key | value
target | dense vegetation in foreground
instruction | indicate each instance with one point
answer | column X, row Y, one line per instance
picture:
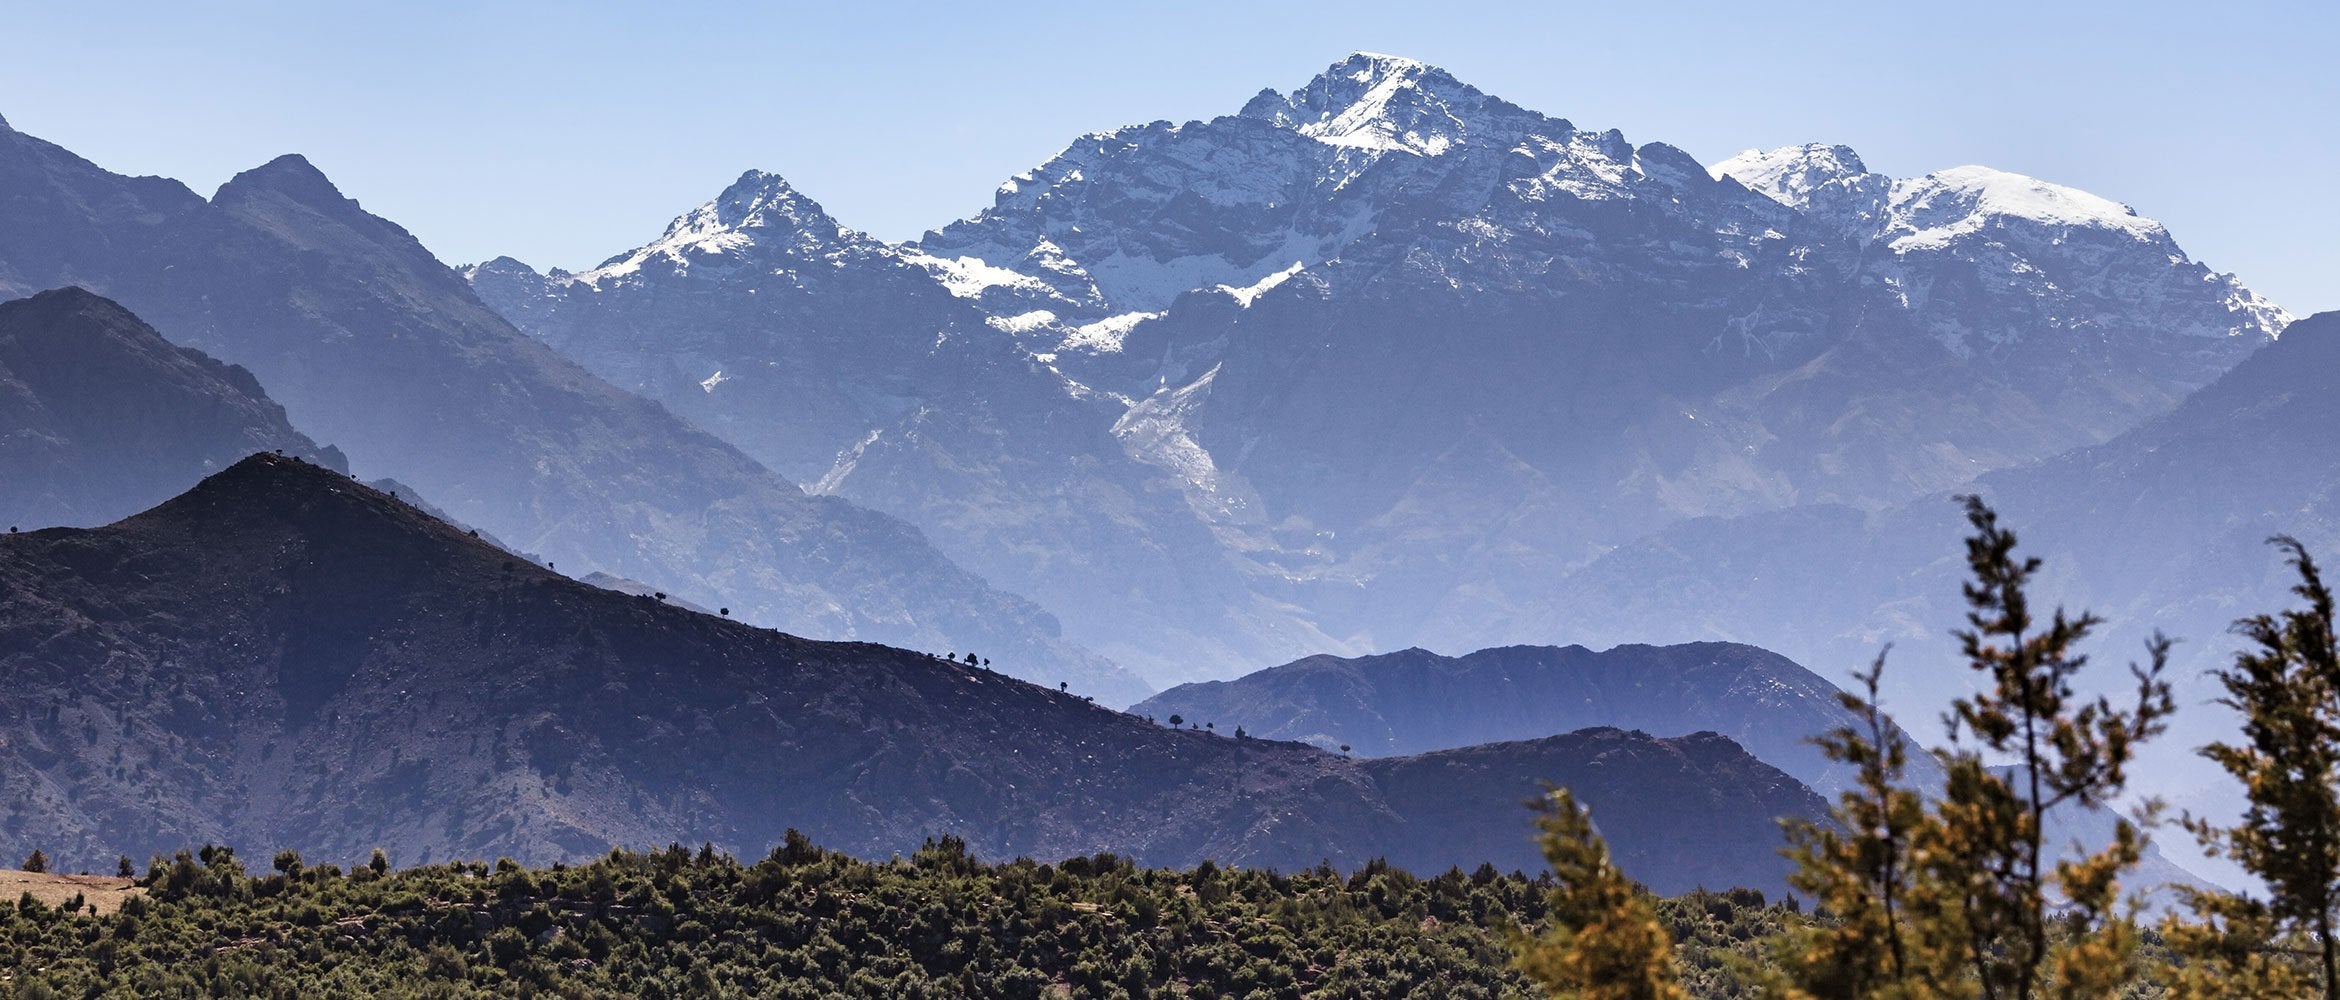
column 805, row 922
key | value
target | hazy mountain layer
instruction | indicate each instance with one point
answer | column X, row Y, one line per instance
column 1416, row 701
column 101, row 418
column 2162, row 528
column 371, row 343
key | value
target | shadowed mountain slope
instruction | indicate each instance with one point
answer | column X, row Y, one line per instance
column 101, row 418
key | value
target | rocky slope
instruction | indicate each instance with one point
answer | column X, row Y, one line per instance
column 371, row 343
column 100, row 417
column 284, row 657
column 836, row 358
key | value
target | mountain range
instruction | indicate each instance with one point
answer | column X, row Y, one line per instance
column 1369, row 363
column 1414, row 701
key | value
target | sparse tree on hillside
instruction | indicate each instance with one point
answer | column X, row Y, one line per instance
column 1861, row 869
column 37, row 862
column 1957, row 897
column 1602, row 940
column 2066, row 752
column 2232, row 949
column 2287, row 688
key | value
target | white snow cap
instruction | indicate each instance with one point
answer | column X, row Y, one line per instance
column 758, row 207
column 1944, row 205
column 1790, row 174
column 1930, row 210
column 1376, row 101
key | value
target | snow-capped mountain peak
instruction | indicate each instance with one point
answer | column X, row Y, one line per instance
column 758, row 198
column 1127, row 220
column 758, row 209
column 2058, row 256
column 1944, row 205
column 1922, row 211
column 1790, row 174
column 1379, row 102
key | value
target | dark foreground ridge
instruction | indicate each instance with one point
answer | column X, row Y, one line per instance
column 285, row 658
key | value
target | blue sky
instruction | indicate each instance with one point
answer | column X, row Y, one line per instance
column 561, row 134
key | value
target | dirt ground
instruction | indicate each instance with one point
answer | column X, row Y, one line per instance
column 104, row 893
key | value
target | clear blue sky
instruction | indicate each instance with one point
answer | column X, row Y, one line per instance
column 561, row 134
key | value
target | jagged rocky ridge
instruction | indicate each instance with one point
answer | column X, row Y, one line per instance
column 374, row 345
column 284, row 657
column 1375, row 360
